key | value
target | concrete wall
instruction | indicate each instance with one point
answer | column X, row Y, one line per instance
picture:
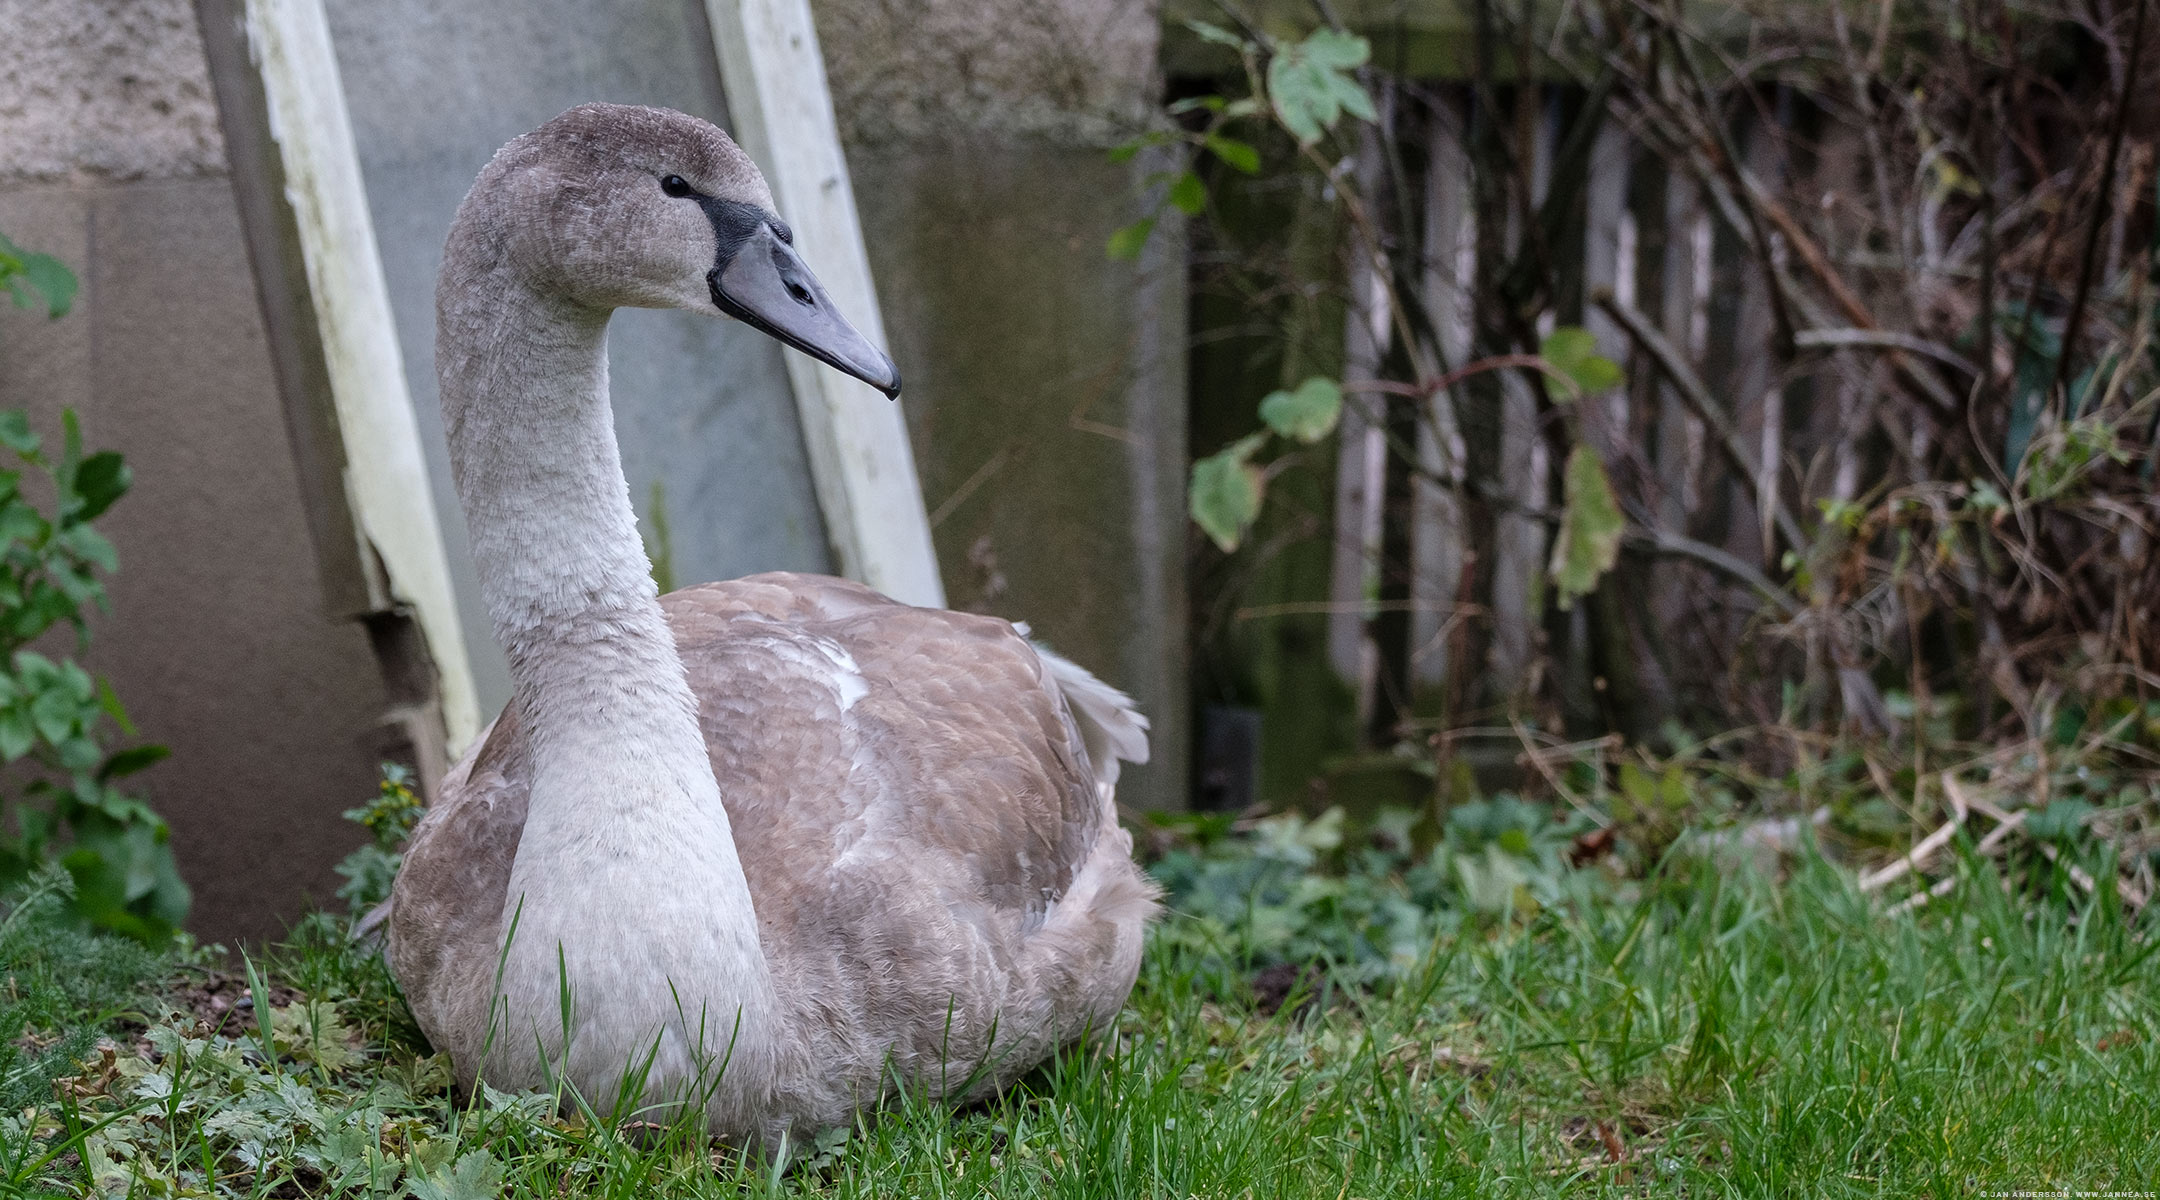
column 110, row 158
column 1046, row 383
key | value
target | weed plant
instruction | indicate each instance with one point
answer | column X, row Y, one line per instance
column 1699, row 1031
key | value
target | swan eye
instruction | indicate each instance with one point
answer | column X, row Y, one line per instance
column 675, row 185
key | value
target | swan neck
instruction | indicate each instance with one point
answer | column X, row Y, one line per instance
column 627, row 861
column 554, row 538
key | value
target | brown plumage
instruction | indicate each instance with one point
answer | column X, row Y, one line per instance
column 785, row 842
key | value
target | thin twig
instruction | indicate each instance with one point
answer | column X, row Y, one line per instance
column 1940, row 889
column 1888, row 340
column 2132, row 896
column 1497, row 362
column 2102, row 203
column 1729, row 154
column 1717, row 559
column 1692, row 389
column 1905, row 864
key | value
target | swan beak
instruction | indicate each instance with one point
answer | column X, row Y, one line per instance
column 766, row 285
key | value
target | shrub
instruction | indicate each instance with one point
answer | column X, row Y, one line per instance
column 54, row 714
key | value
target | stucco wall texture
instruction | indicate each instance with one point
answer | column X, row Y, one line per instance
column 1075, row 72
column 104, row 90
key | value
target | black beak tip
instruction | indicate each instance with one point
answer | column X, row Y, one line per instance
column 893, row 392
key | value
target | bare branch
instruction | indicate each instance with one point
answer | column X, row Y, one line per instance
column 1887, row 340
column 1691, row 389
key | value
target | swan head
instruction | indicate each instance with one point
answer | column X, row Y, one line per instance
column 613, row 206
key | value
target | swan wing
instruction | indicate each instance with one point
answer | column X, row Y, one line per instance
column 922, row 804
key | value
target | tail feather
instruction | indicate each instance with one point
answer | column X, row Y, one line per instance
column 1111, row 727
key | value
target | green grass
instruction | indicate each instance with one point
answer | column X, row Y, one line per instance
column 1728, row 1037
column 58, row 986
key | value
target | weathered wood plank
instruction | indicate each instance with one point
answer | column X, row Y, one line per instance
column 858, row 444
column 385, row 474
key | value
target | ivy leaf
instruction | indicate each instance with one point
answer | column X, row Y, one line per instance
column 1189, row 195
column 1311, row 87
column 1126, row 244
column 1226, row 490
column 1590, row 527
column 1306, row 414
column 2060, row 822
column 1573, row 351
column 1239, row 156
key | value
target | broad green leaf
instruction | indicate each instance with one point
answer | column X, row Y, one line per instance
column 36, row 671
column 79, row 586
column 1239, row 156
column 1310, row 85
column 101, row 479
column 1307, row 413
column 91, row 547
column 17, row 734
column 78, row 753
column 1127, row 243
column 44, row 607
column 1333, row 48
column 19, row 522
column 33, row 278
column 1572, row 350
column 15, row 432
column 125, row 881
column 1588, row 543
column 131, row 760
column 1189, row 195
column 80, row 686
column 56, row 714
column 52, row 280
column 1226, row 491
